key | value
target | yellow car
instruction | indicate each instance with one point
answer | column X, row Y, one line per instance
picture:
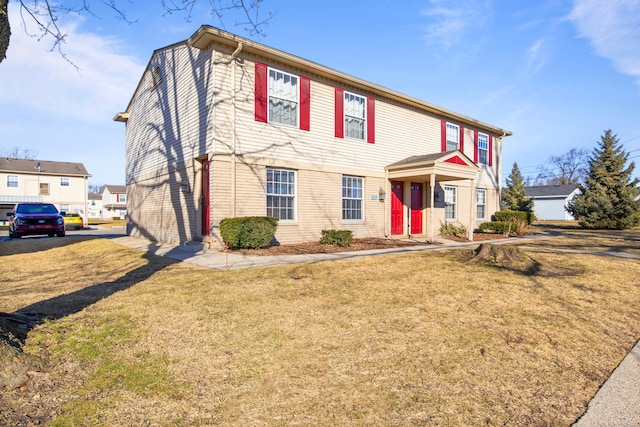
column 73, row 220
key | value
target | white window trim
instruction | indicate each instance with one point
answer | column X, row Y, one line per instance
column 345, row 115
column 452, row 126
column 486, row 149
column 455, row 202
column 295, row 194
column 343, row 198
column 484, row 191
column 65, row 179
column 297, row 100
column 13, row 179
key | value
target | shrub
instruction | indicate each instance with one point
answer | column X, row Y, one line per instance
column 340, row 238
column 515, row 227
column 508, row 215
column 448, row 229
column 495, row 226
column 249, row 232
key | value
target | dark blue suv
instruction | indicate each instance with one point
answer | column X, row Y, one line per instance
column 35, row 218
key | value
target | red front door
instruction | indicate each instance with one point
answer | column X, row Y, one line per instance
column 416, row 208
column 205, row 198
column 396, row 208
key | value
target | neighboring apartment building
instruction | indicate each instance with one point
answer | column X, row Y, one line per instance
column 95, row 205
column 114, row 202
column 64, row 184
column 221, row 126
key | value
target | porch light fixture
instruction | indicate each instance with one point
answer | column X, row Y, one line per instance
column 436, row 196
column 185, row 187
column 382, row 194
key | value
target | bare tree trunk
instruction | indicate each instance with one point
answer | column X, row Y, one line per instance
column 5, row 31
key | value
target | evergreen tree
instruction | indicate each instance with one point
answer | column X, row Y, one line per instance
column 606, row 200
column 513, row 196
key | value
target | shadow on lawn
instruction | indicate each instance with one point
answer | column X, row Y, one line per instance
column 14, row 327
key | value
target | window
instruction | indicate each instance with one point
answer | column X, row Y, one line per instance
column 453, row 137
column 281, row 193
column 12, row 181
column 352, row 197
column 283, row 98
column 121, row 198
column 64, row 182
column 449, row 202
column 483, row 148
column 481, row 204
column 64, row 208
column 354, row 116
column 280, row 97
column 44, row 189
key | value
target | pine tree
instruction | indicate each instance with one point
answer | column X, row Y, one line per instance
column 606, row 200
column 513, row 196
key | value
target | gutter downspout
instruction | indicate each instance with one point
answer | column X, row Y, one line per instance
column 499, row 172
column 234, row 139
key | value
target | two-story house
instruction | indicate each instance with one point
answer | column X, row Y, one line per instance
column 221, row 126
column 114, row 201
column 64, row 184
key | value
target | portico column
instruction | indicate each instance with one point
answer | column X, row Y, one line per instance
column 432, row 186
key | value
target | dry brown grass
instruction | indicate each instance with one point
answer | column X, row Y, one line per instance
column 416, row 339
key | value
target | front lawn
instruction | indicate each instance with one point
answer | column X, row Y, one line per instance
column 425, row 338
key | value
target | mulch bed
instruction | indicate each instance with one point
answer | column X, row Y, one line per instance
column 356, row 245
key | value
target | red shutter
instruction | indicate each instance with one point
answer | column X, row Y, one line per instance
column 490, row 150
column 305, row 103
column 339, row 113
column 475, row 146
column 261, row 93
column 461, row 138
column 371, row 125
column 443, row 136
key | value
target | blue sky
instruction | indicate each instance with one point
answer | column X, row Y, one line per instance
column 555, row 73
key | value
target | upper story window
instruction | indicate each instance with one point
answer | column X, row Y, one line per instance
column 483, row 148
column 64, row 182
column 44, row 189
column 453, row 137
column 121, row 198
column 281, row 194
column 12, row 181
column 352, row 198
column 354, row 116
column 283, row 98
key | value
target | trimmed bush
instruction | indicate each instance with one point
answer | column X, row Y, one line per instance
column 340, row 238
column 249, row 232
column 495, row 226
column 508, row 215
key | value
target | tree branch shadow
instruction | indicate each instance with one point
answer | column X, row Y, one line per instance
column 22, row 321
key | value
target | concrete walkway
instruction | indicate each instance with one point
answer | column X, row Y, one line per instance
column 617, row 403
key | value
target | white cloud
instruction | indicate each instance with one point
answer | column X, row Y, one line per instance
column 44, row 81
column 451, row 20
column 536, row 57
column 613, row 29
